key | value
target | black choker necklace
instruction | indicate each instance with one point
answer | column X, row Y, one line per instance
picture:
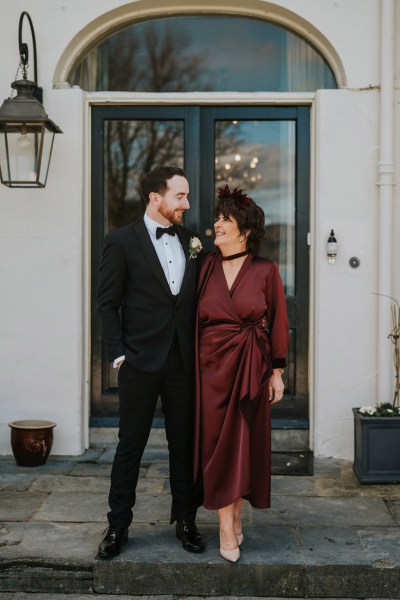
column 232, row 256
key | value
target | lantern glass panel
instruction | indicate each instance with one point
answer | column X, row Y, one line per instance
column 25, row 151
column 48, row 139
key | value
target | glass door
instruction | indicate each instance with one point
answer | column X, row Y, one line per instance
column 264, row 150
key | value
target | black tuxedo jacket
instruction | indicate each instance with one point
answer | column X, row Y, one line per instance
column 138, row 312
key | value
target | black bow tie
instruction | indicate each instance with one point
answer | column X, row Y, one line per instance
column 161, row 230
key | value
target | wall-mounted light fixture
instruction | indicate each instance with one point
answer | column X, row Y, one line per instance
column 331, row 248
column 26, row 132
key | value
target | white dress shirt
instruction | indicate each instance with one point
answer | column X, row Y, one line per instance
column 171, row 256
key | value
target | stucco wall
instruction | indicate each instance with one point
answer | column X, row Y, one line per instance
column 44, row 234
column 345, row 307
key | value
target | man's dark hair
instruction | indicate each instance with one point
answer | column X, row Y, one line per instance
column 157, row 181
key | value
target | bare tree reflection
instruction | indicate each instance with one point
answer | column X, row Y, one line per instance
column 157, row 62
column 156, row 59
column 131, row 149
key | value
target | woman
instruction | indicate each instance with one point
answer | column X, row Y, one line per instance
column 242, row 344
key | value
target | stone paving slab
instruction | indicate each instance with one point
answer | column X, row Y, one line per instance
column 395, row 510
column 107, row 456
column 349, row 486
column 97, row 470
column 157, row 544
column 382, row 546
column 53, row 467
column 151, row 454
column 15, row 483
column 62, row 483
column 90, row 455
column 64, row 541
column 19, row 506
column 351, row 546
column 292, row 486
column 158, row 469
column 91, row 470
column 297, row 510
column 79, row 507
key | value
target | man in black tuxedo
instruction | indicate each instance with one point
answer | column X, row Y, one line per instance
column 146, row 301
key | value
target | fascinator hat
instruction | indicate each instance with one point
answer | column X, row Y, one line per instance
column 241, row 199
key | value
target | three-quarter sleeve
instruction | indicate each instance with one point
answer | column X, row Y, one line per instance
column 277, row 319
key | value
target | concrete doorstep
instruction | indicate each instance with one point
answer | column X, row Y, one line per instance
column 325, row 536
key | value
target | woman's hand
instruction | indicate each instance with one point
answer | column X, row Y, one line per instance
column 276, row 386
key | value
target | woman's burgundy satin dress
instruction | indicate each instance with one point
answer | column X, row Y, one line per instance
column 235, row 359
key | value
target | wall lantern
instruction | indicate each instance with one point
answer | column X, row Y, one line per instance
column 331, row 248
column 26, row 132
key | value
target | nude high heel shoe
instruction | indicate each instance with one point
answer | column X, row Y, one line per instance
column 229, row 555
column 239, row 538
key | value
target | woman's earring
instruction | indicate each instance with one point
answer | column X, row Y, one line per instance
column 240, row 240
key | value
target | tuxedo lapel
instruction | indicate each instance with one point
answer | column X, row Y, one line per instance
column 151, row 254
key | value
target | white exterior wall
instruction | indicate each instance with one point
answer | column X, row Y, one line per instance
column 345, row 308
column 45, row 234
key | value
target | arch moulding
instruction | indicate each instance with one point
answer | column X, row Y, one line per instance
column 112, row 21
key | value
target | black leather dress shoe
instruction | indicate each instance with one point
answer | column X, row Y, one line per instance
column 112, row 542
column 187, row 532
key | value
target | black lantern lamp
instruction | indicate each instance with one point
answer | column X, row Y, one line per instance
column 26, row 132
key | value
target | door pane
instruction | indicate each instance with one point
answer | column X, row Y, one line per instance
column 259, row 157
column 132, row 148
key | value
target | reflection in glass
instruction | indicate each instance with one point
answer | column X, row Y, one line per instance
column 259, row 157
column 132, row 148
column 203, row 53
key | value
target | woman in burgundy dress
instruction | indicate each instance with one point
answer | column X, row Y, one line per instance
column 242, row 344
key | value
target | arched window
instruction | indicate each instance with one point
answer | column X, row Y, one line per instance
column 203, row 54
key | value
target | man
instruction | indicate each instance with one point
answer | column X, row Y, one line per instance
column 146, row 301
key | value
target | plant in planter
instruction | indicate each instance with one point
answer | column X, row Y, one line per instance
column 377, row 428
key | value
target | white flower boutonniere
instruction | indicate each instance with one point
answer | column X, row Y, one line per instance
column 195, row 247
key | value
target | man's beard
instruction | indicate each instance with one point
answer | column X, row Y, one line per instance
column 173, row 216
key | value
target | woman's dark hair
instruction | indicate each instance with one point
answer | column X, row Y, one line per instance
column 157, row 180
column 249, row 216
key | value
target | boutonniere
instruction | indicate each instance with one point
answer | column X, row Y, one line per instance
column 195, row 247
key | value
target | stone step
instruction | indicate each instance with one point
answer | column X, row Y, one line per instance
column 302, row 547
column 270, row 566
column 283, row 440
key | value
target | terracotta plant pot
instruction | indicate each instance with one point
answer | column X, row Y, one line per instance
column 31, row 442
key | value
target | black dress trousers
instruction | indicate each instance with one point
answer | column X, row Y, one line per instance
column 138, row 395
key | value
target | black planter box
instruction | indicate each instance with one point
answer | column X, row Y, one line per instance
column 376, row 448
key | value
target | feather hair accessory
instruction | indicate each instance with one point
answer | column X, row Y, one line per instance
column 241, row 199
